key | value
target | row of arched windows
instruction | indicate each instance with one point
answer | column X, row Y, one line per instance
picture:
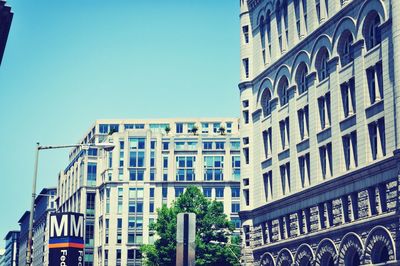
column 372, row 37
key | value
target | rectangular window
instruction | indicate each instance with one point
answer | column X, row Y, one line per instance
column 179, row 146
column 103, row 128
column 246, row 33
column 285, row 178
column 164, row 192
column 348, row 97
column 235, row 192
column 267, row 138
column 304, row 167
column 204, row 128
column 151, row 192
column 350, row 150
column 303, row 122
column 151, row 207
column 236, row 167
column 267, row 178
column 219, row 192
column 135, row 193
column 324, row 106
column 228, row 127
column 213, row 168
column 91, row 174
column 152, row 174
column 235, row 207
column 246, row 195
column 178, row 191
column 137, row 143
column 235, row 145
column 179, row 127
column 165, row 145
column 375, row 83
column 207, row 145
column 325, row 154
column 246, row 155
column 216, row 127
column 246, row 116
column 284, row 129
column 136, row 175
column 246, row 67
column 207, row 192
column 185, row 169
column 219, row 145
column 377, row 139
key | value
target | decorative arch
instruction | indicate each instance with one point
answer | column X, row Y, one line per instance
column 350, row 250
column 367, row 8
column 284, row 258
column 265, row 102
column 301, row 57
column 321, row 63
column 345, row 24
column 322, row 41
column 379, row 246
column 267, row 260
column 265, row 83
column 344, row 47
column 304, row 256
column 326, row 254
column 282, row 71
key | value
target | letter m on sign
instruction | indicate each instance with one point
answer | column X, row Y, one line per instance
column 59, row 225
column 76, row 226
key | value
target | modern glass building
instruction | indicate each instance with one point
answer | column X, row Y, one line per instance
column 152, row 163
column 320, row 131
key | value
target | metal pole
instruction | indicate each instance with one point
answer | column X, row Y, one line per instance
column 30, row 232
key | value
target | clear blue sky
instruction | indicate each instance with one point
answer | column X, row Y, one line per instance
column 68, row 63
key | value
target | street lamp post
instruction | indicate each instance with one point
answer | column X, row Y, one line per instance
column 105, row 146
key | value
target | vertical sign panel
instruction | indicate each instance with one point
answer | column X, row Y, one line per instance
column 66, row 241
column 185, row 239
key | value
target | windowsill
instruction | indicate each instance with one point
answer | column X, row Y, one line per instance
column 324, row 130
column 283, row 151
column 302, row 95
column 347, row 66
column 372, row 50
column 266, row 117
column 377, row 102
column 283, row 107
column 305, row 139
column 347, row 118
column 267, row 159
column 322, row 82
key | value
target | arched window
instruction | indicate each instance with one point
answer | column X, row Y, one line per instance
column 301, row 78
column 262, row 31
column 321, row 64
column 283, row 91
column 345, row 48
column 372, row 34
column 268, row 29
column 266, row 102
column 262, row 35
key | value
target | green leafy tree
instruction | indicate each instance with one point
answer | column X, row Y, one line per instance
column 211, row 225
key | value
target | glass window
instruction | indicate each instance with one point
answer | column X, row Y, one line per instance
column 207, row 145
column 207, row 192
column 235, row 207
column 179, row 127
column 151, row 192
column 235, row 192
column 164, row 192
column 219, row 192
column 103, row 128
column 204, row 128
column 219, row 145
column 235, row 145
column 178, row 191
column 165, row 145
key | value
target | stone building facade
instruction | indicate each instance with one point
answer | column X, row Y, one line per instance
column 151, row 164
column 320, row 131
